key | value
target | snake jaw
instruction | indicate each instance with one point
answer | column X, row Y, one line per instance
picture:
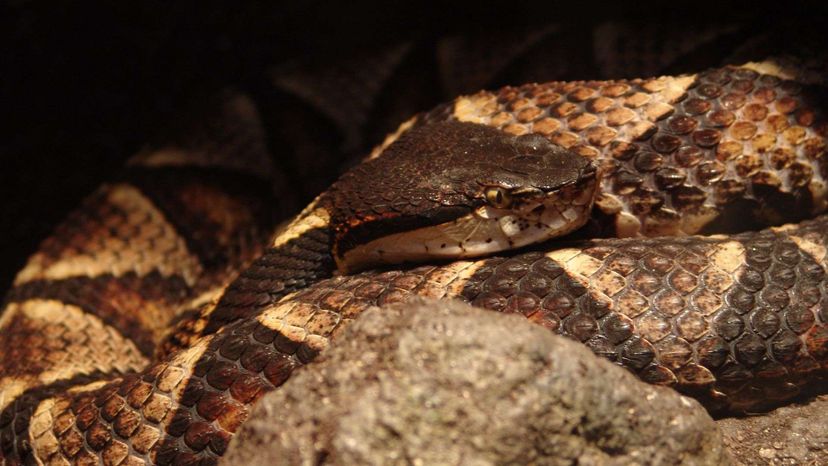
column 485, row 230
column 557, row 214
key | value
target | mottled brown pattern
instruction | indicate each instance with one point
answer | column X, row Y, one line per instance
column 699, row 314
column 51, row 338
column 281, row 270
column 115, row 231
column 138, row 307
column 406, row 188
column 97, row 298
column 680, row 154
column 119, row 258
column 223, row 217
column 118, row 270
column 53, row 346
column 739, row 322
column 187, row 327
column 172, row 412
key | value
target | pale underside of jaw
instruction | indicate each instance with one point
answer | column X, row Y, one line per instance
column 484, row 231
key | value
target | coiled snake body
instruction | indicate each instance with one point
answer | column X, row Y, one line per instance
column 89, row 373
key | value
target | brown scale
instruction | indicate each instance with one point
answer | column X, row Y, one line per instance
column 138, row 307
column 95, row 300
column 697, row 314
column 683, row 154
column 740, row 323
column 410, row 192
column 406, row 188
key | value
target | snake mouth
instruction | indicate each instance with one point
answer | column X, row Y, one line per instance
column 484, row 230
column 539, row 218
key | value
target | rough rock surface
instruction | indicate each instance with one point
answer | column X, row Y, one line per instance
column 444, row 383
column 796, row 434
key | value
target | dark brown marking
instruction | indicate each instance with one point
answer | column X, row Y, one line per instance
column 224, row 217
column 117, row 301
column 399, row 192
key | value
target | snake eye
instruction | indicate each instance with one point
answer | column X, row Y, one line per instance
column 498, row 197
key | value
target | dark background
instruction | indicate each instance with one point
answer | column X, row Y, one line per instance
column 85, row 85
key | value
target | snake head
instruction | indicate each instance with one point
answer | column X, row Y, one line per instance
column 453, row 190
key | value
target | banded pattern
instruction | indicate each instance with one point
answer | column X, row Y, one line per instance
column 736, row 321
column 680, row 155
column 298, row 257
column 99, row 295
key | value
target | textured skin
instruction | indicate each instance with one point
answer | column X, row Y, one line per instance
column 699, row 314
column 680, row 154
column 407, row 188
column 737, row 321
column 97, row 298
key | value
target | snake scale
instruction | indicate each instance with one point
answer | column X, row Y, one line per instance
column 92, row 374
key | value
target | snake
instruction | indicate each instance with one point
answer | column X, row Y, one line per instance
column 146, row 327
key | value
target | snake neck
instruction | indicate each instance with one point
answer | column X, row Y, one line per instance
column 299, row 256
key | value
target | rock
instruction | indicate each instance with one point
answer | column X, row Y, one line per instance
column 444, row 383
column 796, row 434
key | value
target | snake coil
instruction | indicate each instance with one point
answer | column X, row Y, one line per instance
column 91, row 372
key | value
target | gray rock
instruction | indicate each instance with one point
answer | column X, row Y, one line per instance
column 444, row 383
column 796, row 434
